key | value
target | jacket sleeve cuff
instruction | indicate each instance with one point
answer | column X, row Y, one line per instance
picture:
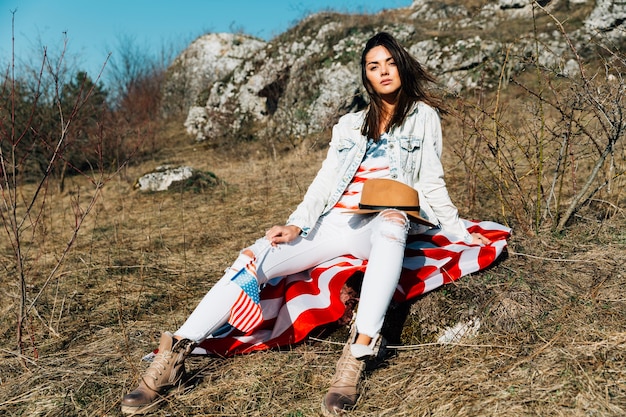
column 461, row 233
column 304, row 230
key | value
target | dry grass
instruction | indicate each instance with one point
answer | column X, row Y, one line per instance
column 552, row 336
column 551, row 340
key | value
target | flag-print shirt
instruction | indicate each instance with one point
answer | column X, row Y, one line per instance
column 375, row 165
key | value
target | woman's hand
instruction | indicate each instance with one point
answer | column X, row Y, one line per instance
column 479, row 239
column 282, row 234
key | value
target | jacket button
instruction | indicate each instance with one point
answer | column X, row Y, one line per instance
column 394, row 176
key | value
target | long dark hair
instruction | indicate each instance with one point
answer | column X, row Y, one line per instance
column 413, row 78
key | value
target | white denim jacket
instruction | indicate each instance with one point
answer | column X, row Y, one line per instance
column 414, row 151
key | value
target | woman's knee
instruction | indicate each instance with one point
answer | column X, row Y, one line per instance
column 392, row 224
column 253, row 251
column 245, row 257
column 395, row 216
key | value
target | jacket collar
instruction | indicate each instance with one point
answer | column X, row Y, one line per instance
column 360, row 115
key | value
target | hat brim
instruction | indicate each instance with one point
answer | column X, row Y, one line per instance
column 414, row 215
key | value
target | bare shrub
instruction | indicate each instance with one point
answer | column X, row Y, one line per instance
column 559, row 147
column 28, row 139
column 135, row 84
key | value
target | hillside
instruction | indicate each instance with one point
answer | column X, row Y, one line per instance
column 534, row 140
column 304, row 78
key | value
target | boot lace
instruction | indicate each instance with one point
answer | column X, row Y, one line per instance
column 348, row 372
column 159, row 364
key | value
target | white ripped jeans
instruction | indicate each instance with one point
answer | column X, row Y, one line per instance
column 380, row 239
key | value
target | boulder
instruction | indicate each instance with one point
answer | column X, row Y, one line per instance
column 163, row 177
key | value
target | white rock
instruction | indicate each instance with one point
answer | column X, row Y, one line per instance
column 608, row 15
column 454, row 334
column 163, row 177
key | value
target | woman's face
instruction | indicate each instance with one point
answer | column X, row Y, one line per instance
column 382, row 73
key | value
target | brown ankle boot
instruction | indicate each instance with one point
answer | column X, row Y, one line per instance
column 343, row 392
column 344, row 387
column 165, row 372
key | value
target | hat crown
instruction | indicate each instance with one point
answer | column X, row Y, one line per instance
column 389, row 193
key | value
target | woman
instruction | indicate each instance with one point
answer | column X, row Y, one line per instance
column 398, row 137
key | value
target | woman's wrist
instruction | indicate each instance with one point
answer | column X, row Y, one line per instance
column 296, row 229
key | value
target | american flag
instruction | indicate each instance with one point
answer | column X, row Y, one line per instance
column 246, row 313
column 295, row 305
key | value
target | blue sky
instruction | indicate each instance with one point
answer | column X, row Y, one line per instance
column 96, row 27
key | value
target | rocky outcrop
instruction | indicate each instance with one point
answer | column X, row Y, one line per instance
column 207, row 60
column 609, row 16
column 301, row 81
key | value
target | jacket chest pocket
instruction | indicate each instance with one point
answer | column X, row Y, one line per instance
column 410, row 151
column 344, row 148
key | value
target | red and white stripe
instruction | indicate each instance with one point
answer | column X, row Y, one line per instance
column 245, row 314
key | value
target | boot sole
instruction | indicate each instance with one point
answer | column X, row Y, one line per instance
column 328, row 413
column 148, row 408
column 137, row 411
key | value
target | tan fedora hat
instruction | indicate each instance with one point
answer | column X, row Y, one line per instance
column 380, row 194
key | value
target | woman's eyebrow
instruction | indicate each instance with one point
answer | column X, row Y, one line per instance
column 389, row 58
